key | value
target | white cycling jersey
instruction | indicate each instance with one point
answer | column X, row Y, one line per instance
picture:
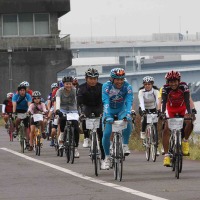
column 148, row 99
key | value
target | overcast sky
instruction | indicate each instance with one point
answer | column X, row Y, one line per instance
column 130, row 17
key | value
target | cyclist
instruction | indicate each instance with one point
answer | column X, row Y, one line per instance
column 7, row 108
column 36, row 107
column 117, row 97
column 89, row 98
column 148, row 99
column 28, row 90
column 176, row 100
column 75, row 82
column 21, row 101
column 54, row 87
column 66, row 102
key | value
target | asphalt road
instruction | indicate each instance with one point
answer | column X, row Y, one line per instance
column 48, row 177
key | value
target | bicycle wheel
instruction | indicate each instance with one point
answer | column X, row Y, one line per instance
column 39, row 144
column 94, row 153
column 177, row 157
column 72, row 145
column 120, row 159
column 115, row 157
column 21, row 139
column 147, row 143
column 154, row 139
column 67, row 145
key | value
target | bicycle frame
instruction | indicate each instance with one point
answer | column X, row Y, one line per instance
column 117, row 148
column 92, row 124
column 175, row 145
column 151, row 139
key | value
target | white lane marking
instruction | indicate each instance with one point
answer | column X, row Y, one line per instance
column 67, row 171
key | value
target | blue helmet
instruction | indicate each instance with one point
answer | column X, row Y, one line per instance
column 117, row 73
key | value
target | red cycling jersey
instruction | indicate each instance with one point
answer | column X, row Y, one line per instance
column 175, row 100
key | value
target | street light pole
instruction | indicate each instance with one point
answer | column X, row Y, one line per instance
column 10, row 70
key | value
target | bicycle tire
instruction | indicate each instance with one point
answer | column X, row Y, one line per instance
column 21, row 138
column 147, row 141
column 39, row 145
column 115, row 157
column 153, row 142
column 67, row 144
column 120, row 159
column 177, row 156
column 94, row 153
column 72, row 145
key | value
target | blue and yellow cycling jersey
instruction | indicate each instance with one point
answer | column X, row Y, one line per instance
column 117, row 98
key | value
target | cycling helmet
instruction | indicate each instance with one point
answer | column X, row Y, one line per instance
column 36, row 94
column 21, row 86
column 117, row 73
column 67, row 79
column 54, row 85
column 148, row 79
column 75, row 80
column 25, row 83
column 173, row 75
column 10, row 95
column 92, row 73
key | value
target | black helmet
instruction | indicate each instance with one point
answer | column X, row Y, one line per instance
column 67, row 79
column 21, row 86
column 92, row 73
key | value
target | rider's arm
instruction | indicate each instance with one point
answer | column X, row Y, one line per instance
column 30, row 108
column 160, row 99
column 3, row 108
column 57, row 100
column 157, row 94
column 141, row 99
column 192, row 106
column 129, row 99
column 14, row 102
column 14, row 106
column 106, row 99
column 80, row 97
column 187, row 101
column 164, row 101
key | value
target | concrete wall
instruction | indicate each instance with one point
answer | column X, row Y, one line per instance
column 20, row 6
column 39, row 68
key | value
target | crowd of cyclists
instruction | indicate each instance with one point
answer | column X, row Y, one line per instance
column 113, row 98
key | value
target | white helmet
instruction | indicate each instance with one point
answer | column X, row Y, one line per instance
column 54, row 85
column 10, row 95
column 36, row 94
column 148, row 79
column 25, row 83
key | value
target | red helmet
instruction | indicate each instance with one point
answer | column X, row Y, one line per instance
column 173, row 75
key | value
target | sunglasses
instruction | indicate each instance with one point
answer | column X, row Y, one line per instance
column 37, row 98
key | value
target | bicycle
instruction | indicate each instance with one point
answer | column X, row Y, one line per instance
column 37, row 135
column 117, row 155
column 11, row 127
column 69, row 140
column 21, row 133
column 151, row 140
column 175, row 143
column 92, row 124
